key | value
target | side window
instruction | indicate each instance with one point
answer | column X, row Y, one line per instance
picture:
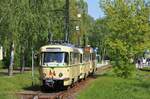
column 71, row 58
column 42, row 58
column 66, row 58
column 76, row 58
column 86, row 57
column 90, row 57
column 93, row 56
column 81, row 58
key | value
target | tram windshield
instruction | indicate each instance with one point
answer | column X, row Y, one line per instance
column 55, row 57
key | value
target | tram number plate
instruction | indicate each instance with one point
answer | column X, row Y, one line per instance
column 50, row 81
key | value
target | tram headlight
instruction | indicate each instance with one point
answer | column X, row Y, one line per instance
column 60, row 74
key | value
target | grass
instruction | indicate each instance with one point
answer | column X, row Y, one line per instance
column 108, row 86
column 105, row 86
column 10, row 85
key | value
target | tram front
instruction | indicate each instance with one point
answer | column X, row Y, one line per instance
column 54, row 70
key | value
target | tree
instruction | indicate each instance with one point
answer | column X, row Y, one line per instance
column 98, row 36
column 129, row 31
column 25, row 24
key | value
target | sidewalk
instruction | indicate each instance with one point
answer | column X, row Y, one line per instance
column 101, row 65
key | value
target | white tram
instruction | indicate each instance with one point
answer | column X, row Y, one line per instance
column 62, row 65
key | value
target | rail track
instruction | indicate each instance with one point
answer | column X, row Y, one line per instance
column 64, row 94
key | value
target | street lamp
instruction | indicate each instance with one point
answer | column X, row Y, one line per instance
column 79, row 15
column 77, row 28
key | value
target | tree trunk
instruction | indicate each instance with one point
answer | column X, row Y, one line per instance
column 23, row 63
column 10, row 69
column 103, row 54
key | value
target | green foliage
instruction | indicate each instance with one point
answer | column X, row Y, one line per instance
column 98, row 35
column 124, row 32
column 85, row 22
column 123, row 70
column 28, row 22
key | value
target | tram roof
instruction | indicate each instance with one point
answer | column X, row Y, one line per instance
column 80, row 50
column 60, row 48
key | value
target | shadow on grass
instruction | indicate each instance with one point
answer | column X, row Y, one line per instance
column 25, row 69
column 5, row 73
column 98, row 75
column 33, row 88
column 145, row 69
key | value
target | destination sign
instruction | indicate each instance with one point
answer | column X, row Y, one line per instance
column 53, row 49
column 87, row 49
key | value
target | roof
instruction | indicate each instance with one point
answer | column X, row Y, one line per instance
column 60, row 48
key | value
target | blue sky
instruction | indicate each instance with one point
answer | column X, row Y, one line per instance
column 94, row 9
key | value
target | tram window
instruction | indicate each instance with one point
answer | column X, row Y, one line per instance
column 90, row 56
column 42, row 58
column 66, row 58
column 57, row 57
column 86, row 57
column 71, row 58
column 40, row 62
column 81, row 58
column 74, row 58
column 93, row 56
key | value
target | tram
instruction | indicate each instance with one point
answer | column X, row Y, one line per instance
column 63, row 65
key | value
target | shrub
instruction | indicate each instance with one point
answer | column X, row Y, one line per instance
column 123, row 69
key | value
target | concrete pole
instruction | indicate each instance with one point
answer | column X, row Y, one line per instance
column 32, row 67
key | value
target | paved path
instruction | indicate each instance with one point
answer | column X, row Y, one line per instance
column 100, row 65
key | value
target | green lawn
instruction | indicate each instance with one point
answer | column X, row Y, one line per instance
column 10, row 85
column 108, row 86
column 105, row 86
